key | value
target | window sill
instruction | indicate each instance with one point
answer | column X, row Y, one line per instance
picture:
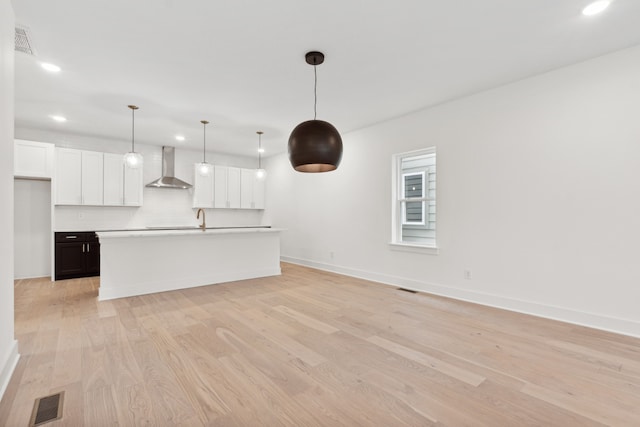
column 419, row 249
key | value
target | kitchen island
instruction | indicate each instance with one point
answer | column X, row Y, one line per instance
column 139, row 262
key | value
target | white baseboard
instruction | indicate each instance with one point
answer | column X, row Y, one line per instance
column 43, row 276
column 10, row 363
column 592, row 320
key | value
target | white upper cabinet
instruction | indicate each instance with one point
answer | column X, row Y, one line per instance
column 79, row 177
column 96, row 179
column 203, row 187
column 33, row 159
column 233, row 187
column 220, row 187
column 251, row 190
column 237, row 188
column 246, row 188
column 68, row 181
column 113, row 180
column 92, row 178
column 133, row 186
column 258, row 192
column 226, row 192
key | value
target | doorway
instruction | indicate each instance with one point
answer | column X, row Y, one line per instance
column 32, row 228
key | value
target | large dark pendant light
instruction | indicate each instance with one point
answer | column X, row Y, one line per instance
column 315, row 145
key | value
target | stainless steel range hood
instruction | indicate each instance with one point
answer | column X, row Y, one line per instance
column 168, row 179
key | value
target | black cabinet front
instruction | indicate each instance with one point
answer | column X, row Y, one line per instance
column 93, row 258
column 77, row 255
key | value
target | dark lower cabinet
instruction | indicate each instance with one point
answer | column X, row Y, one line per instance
column 77, row 255
column 93, row 258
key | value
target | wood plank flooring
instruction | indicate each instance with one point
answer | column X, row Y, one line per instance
column 310, row 348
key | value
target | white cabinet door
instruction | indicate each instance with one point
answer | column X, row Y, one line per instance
column 251, row 190
column 246, row 188
column 92, row 178
column 258, row 192
column 220, row 187
column 133, row 186
column 233, row 187
column 68, row 183
column 202, row 188
column 33, row 159
column 113, row 180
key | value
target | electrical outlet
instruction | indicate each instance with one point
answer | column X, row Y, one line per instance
column 467, row 274
column 80, row 215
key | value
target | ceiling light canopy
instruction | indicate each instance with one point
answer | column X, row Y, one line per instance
column 315, row 145
column 132, row 159
column 180, row 138
column 50, row 67
column 596, row 7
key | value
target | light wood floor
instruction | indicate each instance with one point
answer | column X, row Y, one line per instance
column 310, row 348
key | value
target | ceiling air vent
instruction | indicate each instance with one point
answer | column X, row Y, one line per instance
column 24, row 42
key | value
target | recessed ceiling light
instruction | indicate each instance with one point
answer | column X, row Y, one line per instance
column 260, row 150
column 50, row 67
column 596, row 7
column 59, row 119
column 180, row 138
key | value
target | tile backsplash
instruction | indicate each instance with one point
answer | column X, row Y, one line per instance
column 162, row 207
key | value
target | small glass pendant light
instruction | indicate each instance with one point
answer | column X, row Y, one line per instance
column 204, row 168
column 132, row 159
column 261, row 174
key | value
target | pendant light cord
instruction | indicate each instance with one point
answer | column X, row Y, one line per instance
column 260, row 150
column 259, row 153
column 133, row 128
column 315, row 91
column 204, row 140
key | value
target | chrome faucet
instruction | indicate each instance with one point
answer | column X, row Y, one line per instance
column 204, row 221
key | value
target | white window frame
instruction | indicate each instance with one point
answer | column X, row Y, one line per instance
column 404, row 201
column 397, row 200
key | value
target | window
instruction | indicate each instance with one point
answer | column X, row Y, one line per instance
column 413, row 189
column 414, row 199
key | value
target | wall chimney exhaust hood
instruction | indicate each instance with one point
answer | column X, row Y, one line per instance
column 168, row 179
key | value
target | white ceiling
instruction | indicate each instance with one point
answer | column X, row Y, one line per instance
column 240, row 63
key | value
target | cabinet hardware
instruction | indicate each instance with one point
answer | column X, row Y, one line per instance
column 83, row 248
column 88, row 247
column 71, row 237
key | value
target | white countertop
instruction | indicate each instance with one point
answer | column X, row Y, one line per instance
column 183, row 232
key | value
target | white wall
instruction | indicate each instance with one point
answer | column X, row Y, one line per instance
column 32, row 228
column 538, row 195
column 161, row 207
column 8, row 345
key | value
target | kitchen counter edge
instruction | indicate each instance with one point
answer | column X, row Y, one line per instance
column 183, row 232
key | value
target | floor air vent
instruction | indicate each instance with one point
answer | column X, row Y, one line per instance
column 47, row 409
column 411, row 291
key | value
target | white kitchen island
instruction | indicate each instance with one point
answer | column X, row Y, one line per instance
column 147, row 261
